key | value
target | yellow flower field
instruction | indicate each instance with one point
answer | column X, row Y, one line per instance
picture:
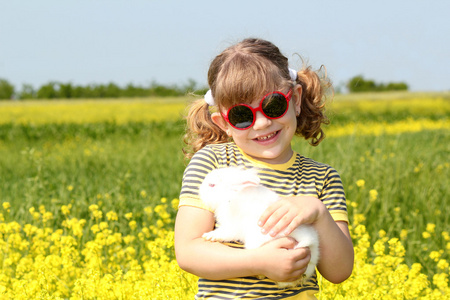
column 91, row 111
column 75, row 261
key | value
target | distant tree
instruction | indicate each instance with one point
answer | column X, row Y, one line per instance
column 397, row 86
column 78, row 92
column 48, row 91
column 157, row 89
column 27, row 92
column 112, row 90
column 135, row 91
column 65, row 90
column 359, row 84
column 6, row 89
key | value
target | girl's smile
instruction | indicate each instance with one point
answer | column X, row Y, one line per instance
column 267, row 139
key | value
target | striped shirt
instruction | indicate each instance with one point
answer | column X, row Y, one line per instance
column 299, row 176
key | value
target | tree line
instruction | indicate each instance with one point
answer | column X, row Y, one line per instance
column 59, row 90
column 359, row 84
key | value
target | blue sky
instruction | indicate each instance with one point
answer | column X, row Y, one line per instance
column 170, row 42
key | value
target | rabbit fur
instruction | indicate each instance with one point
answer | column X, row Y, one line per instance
column 238, row 201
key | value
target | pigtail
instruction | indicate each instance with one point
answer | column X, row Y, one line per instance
column 315, row 88
column 201, row 130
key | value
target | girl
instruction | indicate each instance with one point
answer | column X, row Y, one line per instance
column 260, row 105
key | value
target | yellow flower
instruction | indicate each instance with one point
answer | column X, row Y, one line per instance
column 132, row 225
column 431, row 227
column 360, row 183
column 441, row 281
column 446, row 235
column 426, row 235
column 379, row 247
column 98, row 214
column 442, row 264
column 70, row 188
column 47, row 216
column 36, row 216
column 403, row 234
column 103, row 225
column 65, row 209
column 175, row 203
column 95, row 228
column 112, row 216
column 6, row 205
column 159, row 223
column 435, row 255
column 373, row 195
column 128, row 216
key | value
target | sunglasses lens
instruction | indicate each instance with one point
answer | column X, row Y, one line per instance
column 240, row 116
column 274, row 105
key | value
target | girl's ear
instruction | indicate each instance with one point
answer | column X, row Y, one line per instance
column 220, row 121
column 297, row 95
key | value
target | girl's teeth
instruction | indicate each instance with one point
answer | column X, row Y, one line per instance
column 266, row 137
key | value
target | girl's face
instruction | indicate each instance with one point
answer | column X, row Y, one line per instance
column 268, row 140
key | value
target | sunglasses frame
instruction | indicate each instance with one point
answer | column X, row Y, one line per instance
column 287, row 97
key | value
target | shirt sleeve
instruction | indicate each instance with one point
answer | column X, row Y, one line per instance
column 333, row 196
column 203, row 162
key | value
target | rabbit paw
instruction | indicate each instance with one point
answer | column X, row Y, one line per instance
column 299, row 282
column 212, row 236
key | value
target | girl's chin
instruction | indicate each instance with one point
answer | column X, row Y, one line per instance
column 275, row 157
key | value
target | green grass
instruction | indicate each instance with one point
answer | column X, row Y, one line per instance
column 111, row 164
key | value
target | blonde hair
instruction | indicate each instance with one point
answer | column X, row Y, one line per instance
column 244, row 72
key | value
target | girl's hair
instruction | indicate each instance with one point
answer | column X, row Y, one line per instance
column 244, row 72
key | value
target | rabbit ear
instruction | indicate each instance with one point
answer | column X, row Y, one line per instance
column 252, row 176
column 248, row 184
column 247, row 178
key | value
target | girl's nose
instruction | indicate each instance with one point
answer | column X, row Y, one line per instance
column 261, row 121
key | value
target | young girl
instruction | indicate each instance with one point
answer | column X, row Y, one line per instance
column 260, row 105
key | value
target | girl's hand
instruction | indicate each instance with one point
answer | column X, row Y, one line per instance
column 278, row 261
column 288, row 213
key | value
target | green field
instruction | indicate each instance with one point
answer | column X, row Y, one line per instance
column 397, row 179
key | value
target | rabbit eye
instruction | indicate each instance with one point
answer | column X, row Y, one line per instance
column 212, row 185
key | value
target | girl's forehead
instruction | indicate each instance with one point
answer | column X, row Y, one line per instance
column 245, row 79
column 248, row 96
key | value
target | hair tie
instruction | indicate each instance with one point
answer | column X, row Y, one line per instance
column 293, row 74
column 209, row 98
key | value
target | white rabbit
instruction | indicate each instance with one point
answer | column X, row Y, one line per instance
column 238, row 200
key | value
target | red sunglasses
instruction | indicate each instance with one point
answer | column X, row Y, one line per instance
column 274, row 105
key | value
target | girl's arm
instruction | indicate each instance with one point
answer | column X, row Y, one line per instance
column 216, row 261
column 336, row 248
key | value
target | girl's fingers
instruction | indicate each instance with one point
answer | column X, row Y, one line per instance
column 284, row 225
column 267, row 213
column 294, row 223
column 271, row 224
column 284, row 243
